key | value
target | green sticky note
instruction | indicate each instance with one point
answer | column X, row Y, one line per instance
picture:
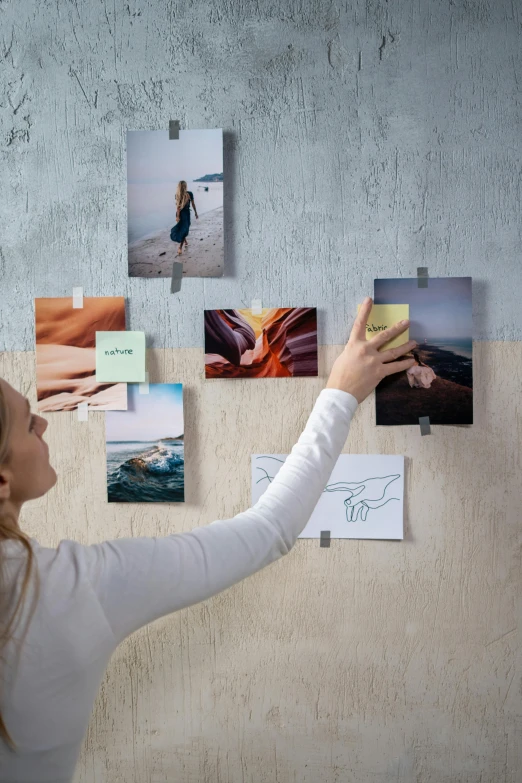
column 120, row 357
column 382, row 317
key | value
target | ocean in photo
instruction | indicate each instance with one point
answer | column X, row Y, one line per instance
column 461, row 347
column 150, row 472
column 451, row 359
column 152, row 208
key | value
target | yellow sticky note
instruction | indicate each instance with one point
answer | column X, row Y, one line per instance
column 382, row 317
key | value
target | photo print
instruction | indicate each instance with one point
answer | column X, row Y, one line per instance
column 440, row 384
column 175, row 203
column 280, row 342
column 364, row 497
column 145, row 447
column 66, row 353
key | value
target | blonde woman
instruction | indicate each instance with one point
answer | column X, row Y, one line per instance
column 65, row 610
column 184, row 198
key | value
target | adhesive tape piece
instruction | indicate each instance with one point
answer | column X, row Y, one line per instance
column 143, row 388
column 83, row 411
column 173, row 129
column 177, row 276
column 77, row 298
column 256, row 307
column 422, row 277
column 424, row 422
column 325, row 538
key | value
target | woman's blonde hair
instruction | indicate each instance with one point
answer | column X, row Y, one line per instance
column 182, row 196
column 9, row 530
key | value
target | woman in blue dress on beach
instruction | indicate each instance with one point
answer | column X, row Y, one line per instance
column 184, row 198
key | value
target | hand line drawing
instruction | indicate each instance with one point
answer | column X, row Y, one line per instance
column 266, row 476
column 352, row 512
column 373, row 492
column 360, row 496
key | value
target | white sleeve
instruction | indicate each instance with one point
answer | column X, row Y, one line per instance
column 138, row 580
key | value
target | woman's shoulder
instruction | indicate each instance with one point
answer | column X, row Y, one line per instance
column 190, row 193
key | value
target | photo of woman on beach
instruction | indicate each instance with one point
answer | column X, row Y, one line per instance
column 184, row 198
column 440, row 383
column 166, row 178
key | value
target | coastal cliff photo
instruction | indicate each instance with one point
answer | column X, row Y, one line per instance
column 175, row 203
column 145, row 447
column 440, row 384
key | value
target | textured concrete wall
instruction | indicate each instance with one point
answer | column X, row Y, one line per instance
column 369, row 662
column 363, row 138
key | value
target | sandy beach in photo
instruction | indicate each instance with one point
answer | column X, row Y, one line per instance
column 153, row 256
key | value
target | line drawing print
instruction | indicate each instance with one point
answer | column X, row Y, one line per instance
column 363, row 496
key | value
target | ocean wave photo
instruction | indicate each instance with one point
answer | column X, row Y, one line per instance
column 146, row 472
column 145, row 447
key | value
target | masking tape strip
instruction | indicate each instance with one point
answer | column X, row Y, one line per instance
column 83, row 411
column 177, row 277
column 325, row 538
column 422, row 277
column 143, row 388
column 256, row 307
column 424, row 422
column 173, row 129
column 78, row 298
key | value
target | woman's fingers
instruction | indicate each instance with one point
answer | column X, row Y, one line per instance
column 359, row 327
column 388, row 334
column 393, row 367
column 393, row 353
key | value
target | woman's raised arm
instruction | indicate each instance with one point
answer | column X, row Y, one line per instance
column 137, row 580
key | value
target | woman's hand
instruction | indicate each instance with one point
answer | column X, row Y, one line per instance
column 361, row 366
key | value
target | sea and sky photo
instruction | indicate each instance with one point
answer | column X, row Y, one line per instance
column 145, row 447
column 440, row 384
column 175, row 203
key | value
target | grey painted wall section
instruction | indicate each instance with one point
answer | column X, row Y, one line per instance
column 362, row 139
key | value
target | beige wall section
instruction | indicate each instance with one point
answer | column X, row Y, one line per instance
column 372, row 662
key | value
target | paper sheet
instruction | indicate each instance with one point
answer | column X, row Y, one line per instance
column 382, row 317
column 440, row 384
column 66, row 353
column 364, row 497
column 120, row 356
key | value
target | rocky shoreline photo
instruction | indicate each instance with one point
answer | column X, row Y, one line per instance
column 449, row 396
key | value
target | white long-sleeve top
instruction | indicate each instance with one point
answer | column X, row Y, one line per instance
column 92, row 597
